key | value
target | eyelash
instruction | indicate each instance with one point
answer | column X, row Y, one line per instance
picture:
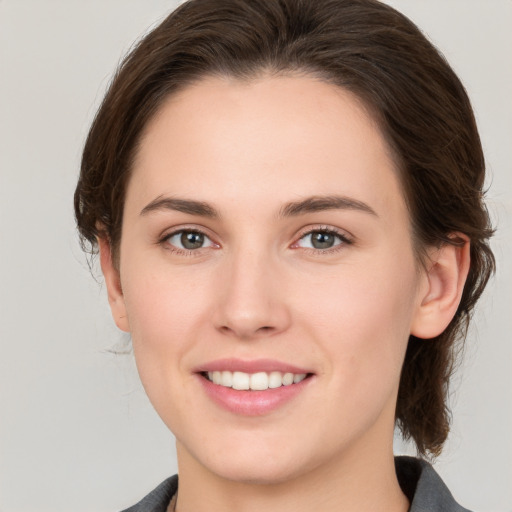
column 344, row 241
column 342, row 236
column 164, row 241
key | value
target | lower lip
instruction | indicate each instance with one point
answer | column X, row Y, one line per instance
column 252, row 403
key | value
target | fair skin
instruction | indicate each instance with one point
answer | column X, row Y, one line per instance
column 269, row 278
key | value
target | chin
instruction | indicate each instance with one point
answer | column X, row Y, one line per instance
column 271, row 473
column 261, row 465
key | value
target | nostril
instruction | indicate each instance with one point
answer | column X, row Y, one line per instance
column 260, row 330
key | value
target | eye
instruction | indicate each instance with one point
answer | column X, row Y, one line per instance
column 188, row 240
column 322, row 239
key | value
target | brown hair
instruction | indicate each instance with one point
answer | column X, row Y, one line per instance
column 363, row 46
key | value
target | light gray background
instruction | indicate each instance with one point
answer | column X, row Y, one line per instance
column 76, row 431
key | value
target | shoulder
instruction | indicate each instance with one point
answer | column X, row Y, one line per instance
column 424, row 487
column 158, row 499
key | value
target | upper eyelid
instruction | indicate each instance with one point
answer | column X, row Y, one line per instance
column 164, row 239
column 167, row 233
column 327, row 229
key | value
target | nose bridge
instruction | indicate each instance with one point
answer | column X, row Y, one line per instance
column 250, row 300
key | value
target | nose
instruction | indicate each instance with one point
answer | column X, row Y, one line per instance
column 251, row 302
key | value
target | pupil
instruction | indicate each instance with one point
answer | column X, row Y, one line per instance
column 191, row 240
column 322, row 240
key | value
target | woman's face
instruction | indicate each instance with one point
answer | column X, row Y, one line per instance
column 264, row 234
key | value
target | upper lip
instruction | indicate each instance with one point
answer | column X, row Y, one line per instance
column 252, row 366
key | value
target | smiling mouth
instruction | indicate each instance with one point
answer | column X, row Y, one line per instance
column 259, row 381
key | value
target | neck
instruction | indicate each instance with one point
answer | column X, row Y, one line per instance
column 365, row 480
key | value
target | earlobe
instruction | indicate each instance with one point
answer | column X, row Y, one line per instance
column 445, row 276
column 113, row 283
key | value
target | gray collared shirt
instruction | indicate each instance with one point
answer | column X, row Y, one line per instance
column 420, row 483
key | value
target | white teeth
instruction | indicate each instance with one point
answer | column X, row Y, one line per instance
column 227, row 379
column 275, row 380
column 240, row 380
column 256, row 381
column 259, row 381
column 287, row 379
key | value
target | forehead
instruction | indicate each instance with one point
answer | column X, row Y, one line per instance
column 279, row 138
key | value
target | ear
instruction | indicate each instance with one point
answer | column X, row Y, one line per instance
column 444, row 279
column 113, row 283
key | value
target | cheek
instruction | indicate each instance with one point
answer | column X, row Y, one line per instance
column 361, row 318
column 164, row 311
column 166, row 314
column 161, row 302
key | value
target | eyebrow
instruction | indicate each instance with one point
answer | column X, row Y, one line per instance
column 321, row 203
column 308, row 205
column 192, row 207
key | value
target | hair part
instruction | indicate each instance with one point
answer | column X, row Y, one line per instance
column 362, row 46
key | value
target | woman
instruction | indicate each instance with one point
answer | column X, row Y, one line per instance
column 287, row 201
